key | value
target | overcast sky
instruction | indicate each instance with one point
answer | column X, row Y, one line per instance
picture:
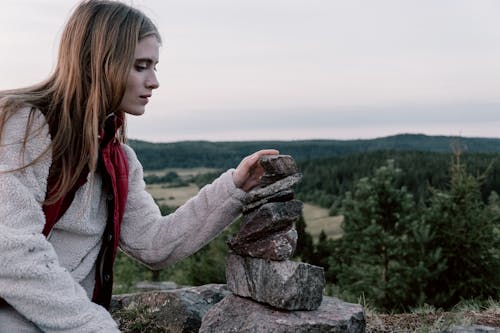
column 295, row 69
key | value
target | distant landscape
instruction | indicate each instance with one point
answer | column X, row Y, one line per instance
column 189, row 154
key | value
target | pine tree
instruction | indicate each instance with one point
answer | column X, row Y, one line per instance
column 383, row 252
column 324, row 250
column 468, row 231
column 305, row 248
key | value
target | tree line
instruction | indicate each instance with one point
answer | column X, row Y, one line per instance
column 326, row 181
column 190, row 154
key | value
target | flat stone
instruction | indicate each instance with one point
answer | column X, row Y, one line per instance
column 260, row 193
column 237, row 314
column 285, row 285
column 282, row 196
column 269, row 219
column 278, row 246
column 268, row 179
column 179, row 310
column 279, row 164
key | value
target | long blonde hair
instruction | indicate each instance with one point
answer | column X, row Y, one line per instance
column 96, row 53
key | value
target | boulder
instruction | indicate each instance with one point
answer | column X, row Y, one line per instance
column 283, row 284
column 237, row 314
column 179, row 310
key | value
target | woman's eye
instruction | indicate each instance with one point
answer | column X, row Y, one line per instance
column 140, row 68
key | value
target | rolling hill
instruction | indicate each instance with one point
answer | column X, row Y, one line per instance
column 228, row 154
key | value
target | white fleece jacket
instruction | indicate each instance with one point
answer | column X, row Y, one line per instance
column 48, row 282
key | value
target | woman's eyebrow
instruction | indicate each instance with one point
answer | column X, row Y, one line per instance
column 148, row 61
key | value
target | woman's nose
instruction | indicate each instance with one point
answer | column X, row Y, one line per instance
column 152, row 82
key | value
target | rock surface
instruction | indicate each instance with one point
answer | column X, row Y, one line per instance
column 282, row 196
column 281, row 185
column 156, row 285
column 179, row 310
column 278, row 246
column 237, row 314
column 472, row 329
column 283, row 284
column 267, row 220
column 277, row 167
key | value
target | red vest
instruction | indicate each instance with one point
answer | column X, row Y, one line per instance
column 113, row 167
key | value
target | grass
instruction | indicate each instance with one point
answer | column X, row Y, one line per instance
column 184, row 173
column 318, row 219
column 425, row 318
column 171, row 196
column 138, row 318
column 428, row 319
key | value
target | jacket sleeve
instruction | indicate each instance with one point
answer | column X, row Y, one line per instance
column 157, row 240
column 31, row 279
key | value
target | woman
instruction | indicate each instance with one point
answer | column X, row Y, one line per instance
column 71, row 191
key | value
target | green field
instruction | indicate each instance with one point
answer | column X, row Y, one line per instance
column 317, row 219
column 184, row 173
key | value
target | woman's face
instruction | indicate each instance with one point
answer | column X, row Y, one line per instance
column 142, row 77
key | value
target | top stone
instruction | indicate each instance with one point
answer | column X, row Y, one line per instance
column 279, row 165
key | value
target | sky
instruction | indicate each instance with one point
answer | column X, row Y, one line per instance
column 233, row 70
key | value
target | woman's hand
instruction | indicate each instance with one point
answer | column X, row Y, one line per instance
column 248, row 173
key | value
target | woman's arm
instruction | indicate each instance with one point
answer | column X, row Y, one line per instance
column 162, row 240
column 31, row 279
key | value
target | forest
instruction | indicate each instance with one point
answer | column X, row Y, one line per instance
column 189, row 154
column 420, row 226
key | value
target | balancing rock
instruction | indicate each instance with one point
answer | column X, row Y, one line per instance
column 282, row 284
column 278, row 246
column 277, row 167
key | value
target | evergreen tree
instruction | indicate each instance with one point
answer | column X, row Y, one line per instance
column 384, row 247
column 324, row 250
column 468, row 231
column 305, row 248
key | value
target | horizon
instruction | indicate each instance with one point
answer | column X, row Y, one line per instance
column 296, row 69
column 319, row 139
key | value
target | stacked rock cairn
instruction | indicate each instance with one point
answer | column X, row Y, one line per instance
column 258, row 266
